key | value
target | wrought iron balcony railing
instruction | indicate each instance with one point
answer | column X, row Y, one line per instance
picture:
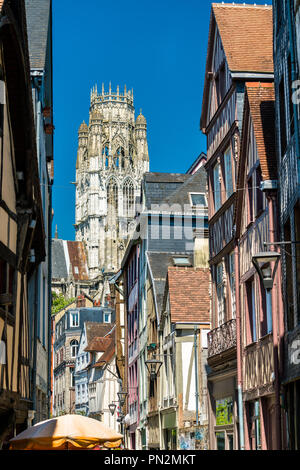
column 222, row 338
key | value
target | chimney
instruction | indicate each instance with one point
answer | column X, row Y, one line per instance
column 201, row 249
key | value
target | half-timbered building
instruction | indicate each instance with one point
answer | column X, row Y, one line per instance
column 287, row 68
column 183, row 327
column 22, row 234
column 260, row 310
column 239, row 50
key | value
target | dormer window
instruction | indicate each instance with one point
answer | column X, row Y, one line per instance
column 198, row 200
column 106, row 317
column 74, row 319
column 182, row 261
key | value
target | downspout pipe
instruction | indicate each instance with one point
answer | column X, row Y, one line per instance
column 196, row 374
column 294, row 78
column 238, row 349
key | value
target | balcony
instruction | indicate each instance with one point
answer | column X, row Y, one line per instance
column 259, row 373
column 222, row 339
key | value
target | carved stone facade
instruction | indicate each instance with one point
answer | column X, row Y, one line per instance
column 111, row 160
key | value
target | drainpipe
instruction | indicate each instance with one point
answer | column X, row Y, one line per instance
column 275, row 321
column 294, row 78
column 239, row 348
column 196, row 374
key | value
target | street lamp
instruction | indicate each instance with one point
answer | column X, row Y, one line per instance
column 153, row 366
column 263, row 265
column 122, row 396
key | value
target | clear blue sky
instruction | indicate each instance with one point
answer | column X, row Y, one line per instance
column 158, row 48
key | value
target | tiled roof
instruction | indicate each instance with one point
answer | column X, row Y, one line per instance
column 38, row 22
column 247, row 36
column 190, row 303
column 109, row 351
column 94, row 330
column 78, row 260
column 66, row 256
column 261, row 99
column 98, row 344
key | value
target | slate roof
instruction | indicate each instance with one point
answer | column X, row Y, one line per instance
column 190, row 303
column 158, row 186
column 196, row 183
column 38, row 23
column 59, row 265
column 247, row 36
column 261, row 97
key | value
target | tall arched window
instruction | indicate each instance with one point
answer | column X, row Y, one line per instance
column 128, row 199
column 74, row 347
column 105, row 153
column 112, row 198
column 120, row 154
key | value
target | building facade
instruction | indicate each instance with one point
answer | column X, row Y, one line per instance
column 183, row 328
column 111, row 160
column 39, row 28
column 234, row 31
column 261, row 326
column 22, row 231
column 286, row 67
column 173, row 207
column 67, row 333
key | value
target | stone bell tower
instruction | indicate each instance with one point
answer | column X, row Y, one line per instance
column 112, row 157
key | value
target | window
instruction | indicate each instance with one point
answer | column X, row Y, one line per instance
column 217, row 187
column 107, row 318
column 128, row 199
column 232, row 284
column 250, row 200
column 72, row 377
column 255, row 425
column 224, row 424
column 283, row 140
column 198, row 199
column 74, row 347
column 182, row 261
column 290, row 84
column 224, row 411
column 6, row 286
column 220, row 295
column 112, row 199
column 228, row 172
column 74, row 319
column 250, row 300
column 259, row 193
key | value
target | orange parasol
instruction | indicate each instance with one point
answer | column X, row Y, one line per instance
column 65, row 432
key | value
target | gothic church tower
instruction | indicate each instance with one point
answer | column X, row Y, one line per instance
column 111, row 160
